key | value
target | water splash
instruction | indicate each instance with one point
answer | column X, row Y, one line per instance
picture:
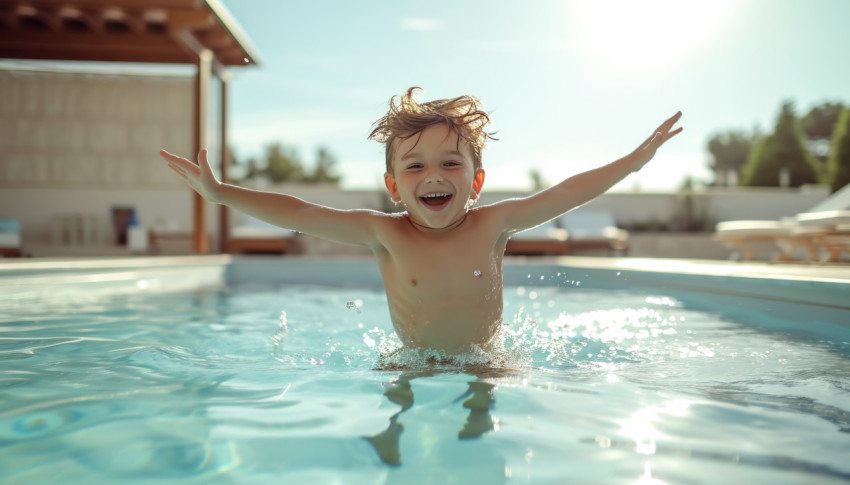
column 535, row 336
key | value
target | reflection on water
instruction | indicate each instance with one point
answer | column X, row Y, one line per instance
column 478, row 399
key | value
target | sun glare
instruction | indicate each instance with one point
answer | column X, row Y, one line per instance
column 646, row 33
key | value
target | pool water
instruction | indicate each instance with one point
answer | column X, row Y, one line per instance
column 265, row 383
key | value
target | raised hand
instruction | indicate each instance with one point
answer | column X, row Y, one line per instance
column 199, row 177
column 663, row 133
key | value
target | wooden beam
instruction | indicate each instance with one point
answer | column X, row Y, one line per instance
column 9, row 17
column 128, row 4
column 202, row 88
column 51, row 18
column 189, row 19
column 71, row 54
column 93, row 20
column 191, row 45
column 91, row 47
column 215, row 38
column 114, row 41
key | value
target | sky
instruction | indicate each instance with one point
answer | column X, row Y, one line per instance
column 570, row 85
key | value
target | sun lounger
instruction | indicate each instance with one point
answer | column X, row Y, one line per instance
column 821, row 229
column 782, row 239
column 594, row 229
column 573, row 232
column 258, row 237
column 546, row 239
column 829, row 230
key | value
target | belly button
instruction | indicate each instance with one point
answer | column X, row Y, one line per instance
column 413, row 282
column 477, row 273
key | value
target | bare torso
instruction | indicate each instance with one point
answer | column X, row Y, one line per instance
column 444, row 289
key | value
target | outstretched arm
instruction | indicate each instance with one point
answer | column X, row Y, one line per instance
column 579, row 189
column 354, row 226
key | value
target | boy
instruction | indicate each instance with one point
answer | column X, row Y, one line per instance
column 440, row 260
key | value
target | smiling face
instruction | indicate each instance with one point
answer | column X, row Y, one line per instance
column 433, row 175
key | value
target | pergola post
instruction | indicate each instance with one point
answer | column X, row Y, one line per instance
column 200, row 242
column 223, row 213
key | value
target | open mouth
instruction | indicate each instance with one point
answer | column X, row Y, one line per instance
column 437, row 200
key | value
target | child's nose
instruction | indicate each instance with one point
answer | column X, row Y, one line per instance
column 433, row 176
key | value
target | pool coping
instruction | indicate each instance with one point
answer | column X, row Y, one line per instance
column 826, row 285
column 749, row 269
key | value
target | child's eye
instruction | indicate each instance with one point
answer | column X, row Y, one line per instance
column 414, row 166
column 451, row 163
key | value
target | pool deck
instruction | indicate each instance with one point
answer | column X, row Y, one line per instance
column 838, row 273
column 818, row 284
column 750, row 269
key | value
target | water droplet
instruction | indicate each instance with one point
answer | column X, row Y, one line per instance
column 354, row 305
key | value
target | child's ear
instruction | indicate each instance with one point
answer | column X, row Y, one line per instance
column 392, row 188
column 478, row 182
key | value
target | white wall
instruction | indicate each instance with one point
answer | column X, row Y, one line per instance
column 76, row 142
column 713, row 204
column 83, row 142
column 36, row 207
column 72, row 130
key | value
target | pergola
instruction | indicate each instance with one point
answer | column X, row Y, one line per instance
column 200, row 32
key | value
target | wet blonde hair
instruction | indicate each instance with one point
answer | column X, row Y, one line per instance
column 408, row 117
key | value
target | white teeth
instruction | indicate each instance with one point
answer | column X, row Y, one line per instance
column 436, row 195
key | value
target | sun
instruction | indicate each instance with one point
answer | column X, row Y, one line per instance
column 623, row 34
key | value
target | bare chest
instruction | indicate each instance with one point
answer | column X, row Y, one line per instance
column 446, row 268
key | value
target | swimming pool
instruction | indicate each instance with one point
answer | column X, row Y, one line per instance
column 215, row 370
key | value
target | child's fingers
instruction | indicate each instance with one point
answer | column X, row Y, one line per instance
column 183, row 166
column 667, row 125
column 170, row 156
column 177, row 161
column 178, row 171
column 203, row 161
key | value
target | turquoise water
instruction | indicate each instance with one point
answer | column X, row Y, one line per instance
column 277, row 384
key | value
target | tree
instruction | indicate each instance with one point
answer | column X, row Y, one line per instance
column 729, row 151
column 819, row 122
column 282, row 164
column 818, row 126
column 324, row 171
column 253, row 171
column 782, row 151
column 538, row 183
column 838, row 163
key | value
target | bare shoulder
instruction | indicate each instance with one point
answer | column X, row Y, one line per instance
column 499, row 213
column 383, row 223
